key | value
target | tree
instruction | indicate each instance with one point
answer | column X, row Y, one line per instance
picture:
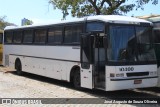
column 80, row 8
column 29, row 22
column 26, row 22
column 4, row 23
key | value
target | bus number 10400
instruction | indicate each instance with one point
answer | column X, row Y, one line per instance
column 126, row 69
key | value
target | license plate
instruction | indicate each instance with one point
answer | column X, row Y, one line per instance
column 137, row 81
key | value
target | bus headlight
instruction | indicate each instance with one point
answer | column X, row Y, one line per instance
column 120, row 75
column 116, row 75
column 153, row 73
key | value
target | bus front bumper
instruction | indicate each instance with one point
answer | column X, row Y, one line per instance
column 130, row 83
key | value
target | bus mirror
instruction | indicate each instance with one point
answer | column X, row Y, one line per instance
column 105, row 41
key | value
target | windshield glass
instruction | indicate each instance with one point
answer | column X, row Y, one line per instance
column 130, row 44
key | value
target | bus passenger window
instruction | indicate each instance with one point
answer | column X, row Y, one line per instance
column 77, row 30
column 40, row 36
column 17, row 37
column 72, row 34
column 55, row 35
column 68, row 35
column 8, row 37
column 28, row 36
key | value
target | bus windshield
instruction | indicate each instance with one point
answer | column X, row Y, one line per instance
column 130, row 44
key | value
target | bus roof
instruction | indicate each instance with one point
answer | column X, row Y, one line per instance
column 105, row 18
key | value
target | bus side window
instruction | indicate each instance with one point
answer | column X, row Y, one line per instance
column 77, row 30
column 68, row 34
column 40, row 35
column 72, row 34
column 8, row 37
column 28, row 36
column 55, row 35
column 17, row 37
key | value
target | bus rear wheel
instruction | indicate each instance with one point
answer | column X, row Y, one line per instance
column 76, row 79
column 18, row 67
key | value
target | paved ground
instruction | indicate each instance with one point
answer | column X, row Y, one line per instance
column 33, row 86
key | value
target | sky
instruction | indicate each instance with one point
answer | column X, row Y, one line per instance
column 40, row 11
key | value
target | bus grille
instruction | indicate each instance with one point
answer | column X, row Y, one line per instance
column 137, row 74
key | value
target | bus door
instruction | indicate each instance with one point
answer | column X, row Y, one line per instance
column 99, row 61
column 92, row 61
column 86, row 59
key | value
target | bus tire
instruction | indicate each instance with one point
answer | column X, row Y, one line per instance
column 76, row 79
column 18, row 67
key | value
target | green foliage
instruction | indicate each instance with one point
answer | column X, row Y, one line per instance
column 28, row 22
column 80, row 8
column 3, row 23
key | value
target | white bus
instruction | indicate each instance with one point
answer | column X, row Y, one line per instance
column 156, row 29
column 155, row 19
column 97, row 52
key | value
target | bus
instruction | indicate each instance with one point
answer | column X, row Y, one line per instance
column 1, row 46
column 155, row 19
column 156, row 28
column 157, row 46
column 106, row 52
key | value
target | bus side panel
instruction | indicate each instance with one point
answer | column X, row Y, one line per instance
column 10, row 60
column 45, row 67
column 43, row 60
